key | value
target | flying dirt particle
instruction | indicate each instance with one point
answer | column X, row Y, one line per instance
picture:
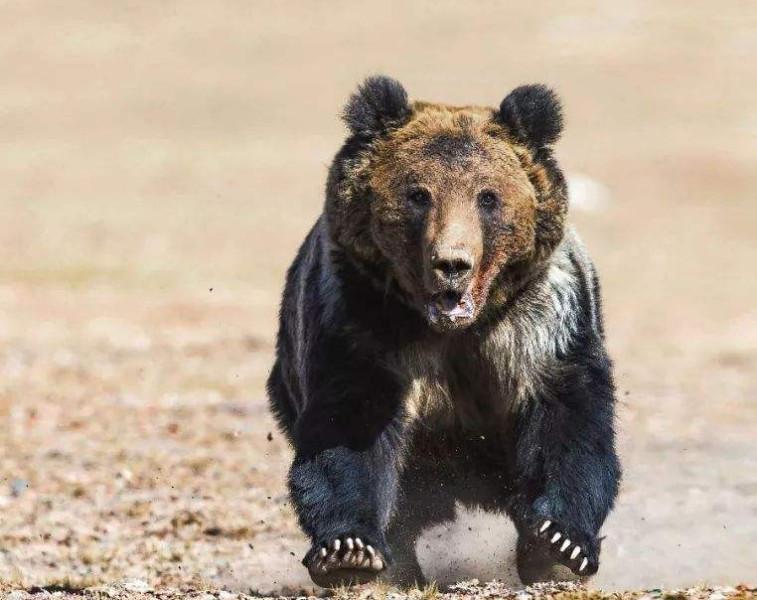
column 210, row 289
column 269, row 437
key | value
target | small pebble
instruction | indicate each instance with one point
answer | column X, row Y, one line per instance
column 18, row 487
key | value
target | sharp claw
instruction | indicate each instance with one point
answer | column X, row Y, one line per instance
column 323, row 552
column 576, row 552
column 583, row 564
column 545, row 526
column 336, row 545
column 350, row 544
column 565, row 544
column 319, row 565
column 359, row 543
column 371, row 552
column 377, row 564
column 555, row 537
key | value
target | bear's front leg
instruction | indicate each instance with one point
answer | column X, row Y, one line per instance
column 343, row 481
column 568, row 471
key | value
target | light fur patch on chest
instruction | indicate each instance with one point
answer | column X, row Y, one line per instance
column 428, row 396
column 518, row 355
column 523, row 348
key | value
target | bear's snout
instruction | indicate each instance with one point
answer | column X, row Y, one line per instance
column 454, row 247
column 451, row 272
column 452, row 268
column 452, row 260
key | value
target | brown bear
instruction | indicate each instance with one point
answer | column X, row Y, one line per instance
column 441, row 340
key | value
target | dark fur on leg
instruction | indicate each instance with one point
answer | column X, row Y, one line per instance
column 567, row 468
column 343, row 480
column 342, row 411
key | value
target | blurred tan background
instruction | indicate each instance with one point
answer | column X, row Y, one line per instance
column 161, row 161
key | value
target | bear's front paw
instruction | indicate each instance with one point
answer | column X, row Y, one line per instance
column 344, row 560
column 578, row 552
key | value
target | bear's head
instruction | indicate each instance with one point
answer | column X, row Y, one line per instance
column 453, row 208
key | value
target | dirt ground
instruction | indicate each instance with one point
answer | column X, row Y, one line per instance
column 160, row 163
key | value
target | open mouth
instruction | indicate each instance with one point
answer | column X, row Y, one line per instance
column 450, row 306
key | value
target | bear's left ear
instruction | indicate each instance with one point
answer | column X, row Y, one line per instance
column 533, row 114
column 378, row 104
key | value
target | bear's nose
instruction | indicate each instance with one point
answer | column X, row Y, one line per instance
column 455, row 264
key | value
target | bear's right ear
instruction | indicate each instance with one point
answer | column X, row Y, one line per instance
column 378, row 104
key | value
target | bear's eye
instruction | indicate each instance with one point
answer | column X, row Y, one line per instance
column 488, row 200
column 419, row 197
